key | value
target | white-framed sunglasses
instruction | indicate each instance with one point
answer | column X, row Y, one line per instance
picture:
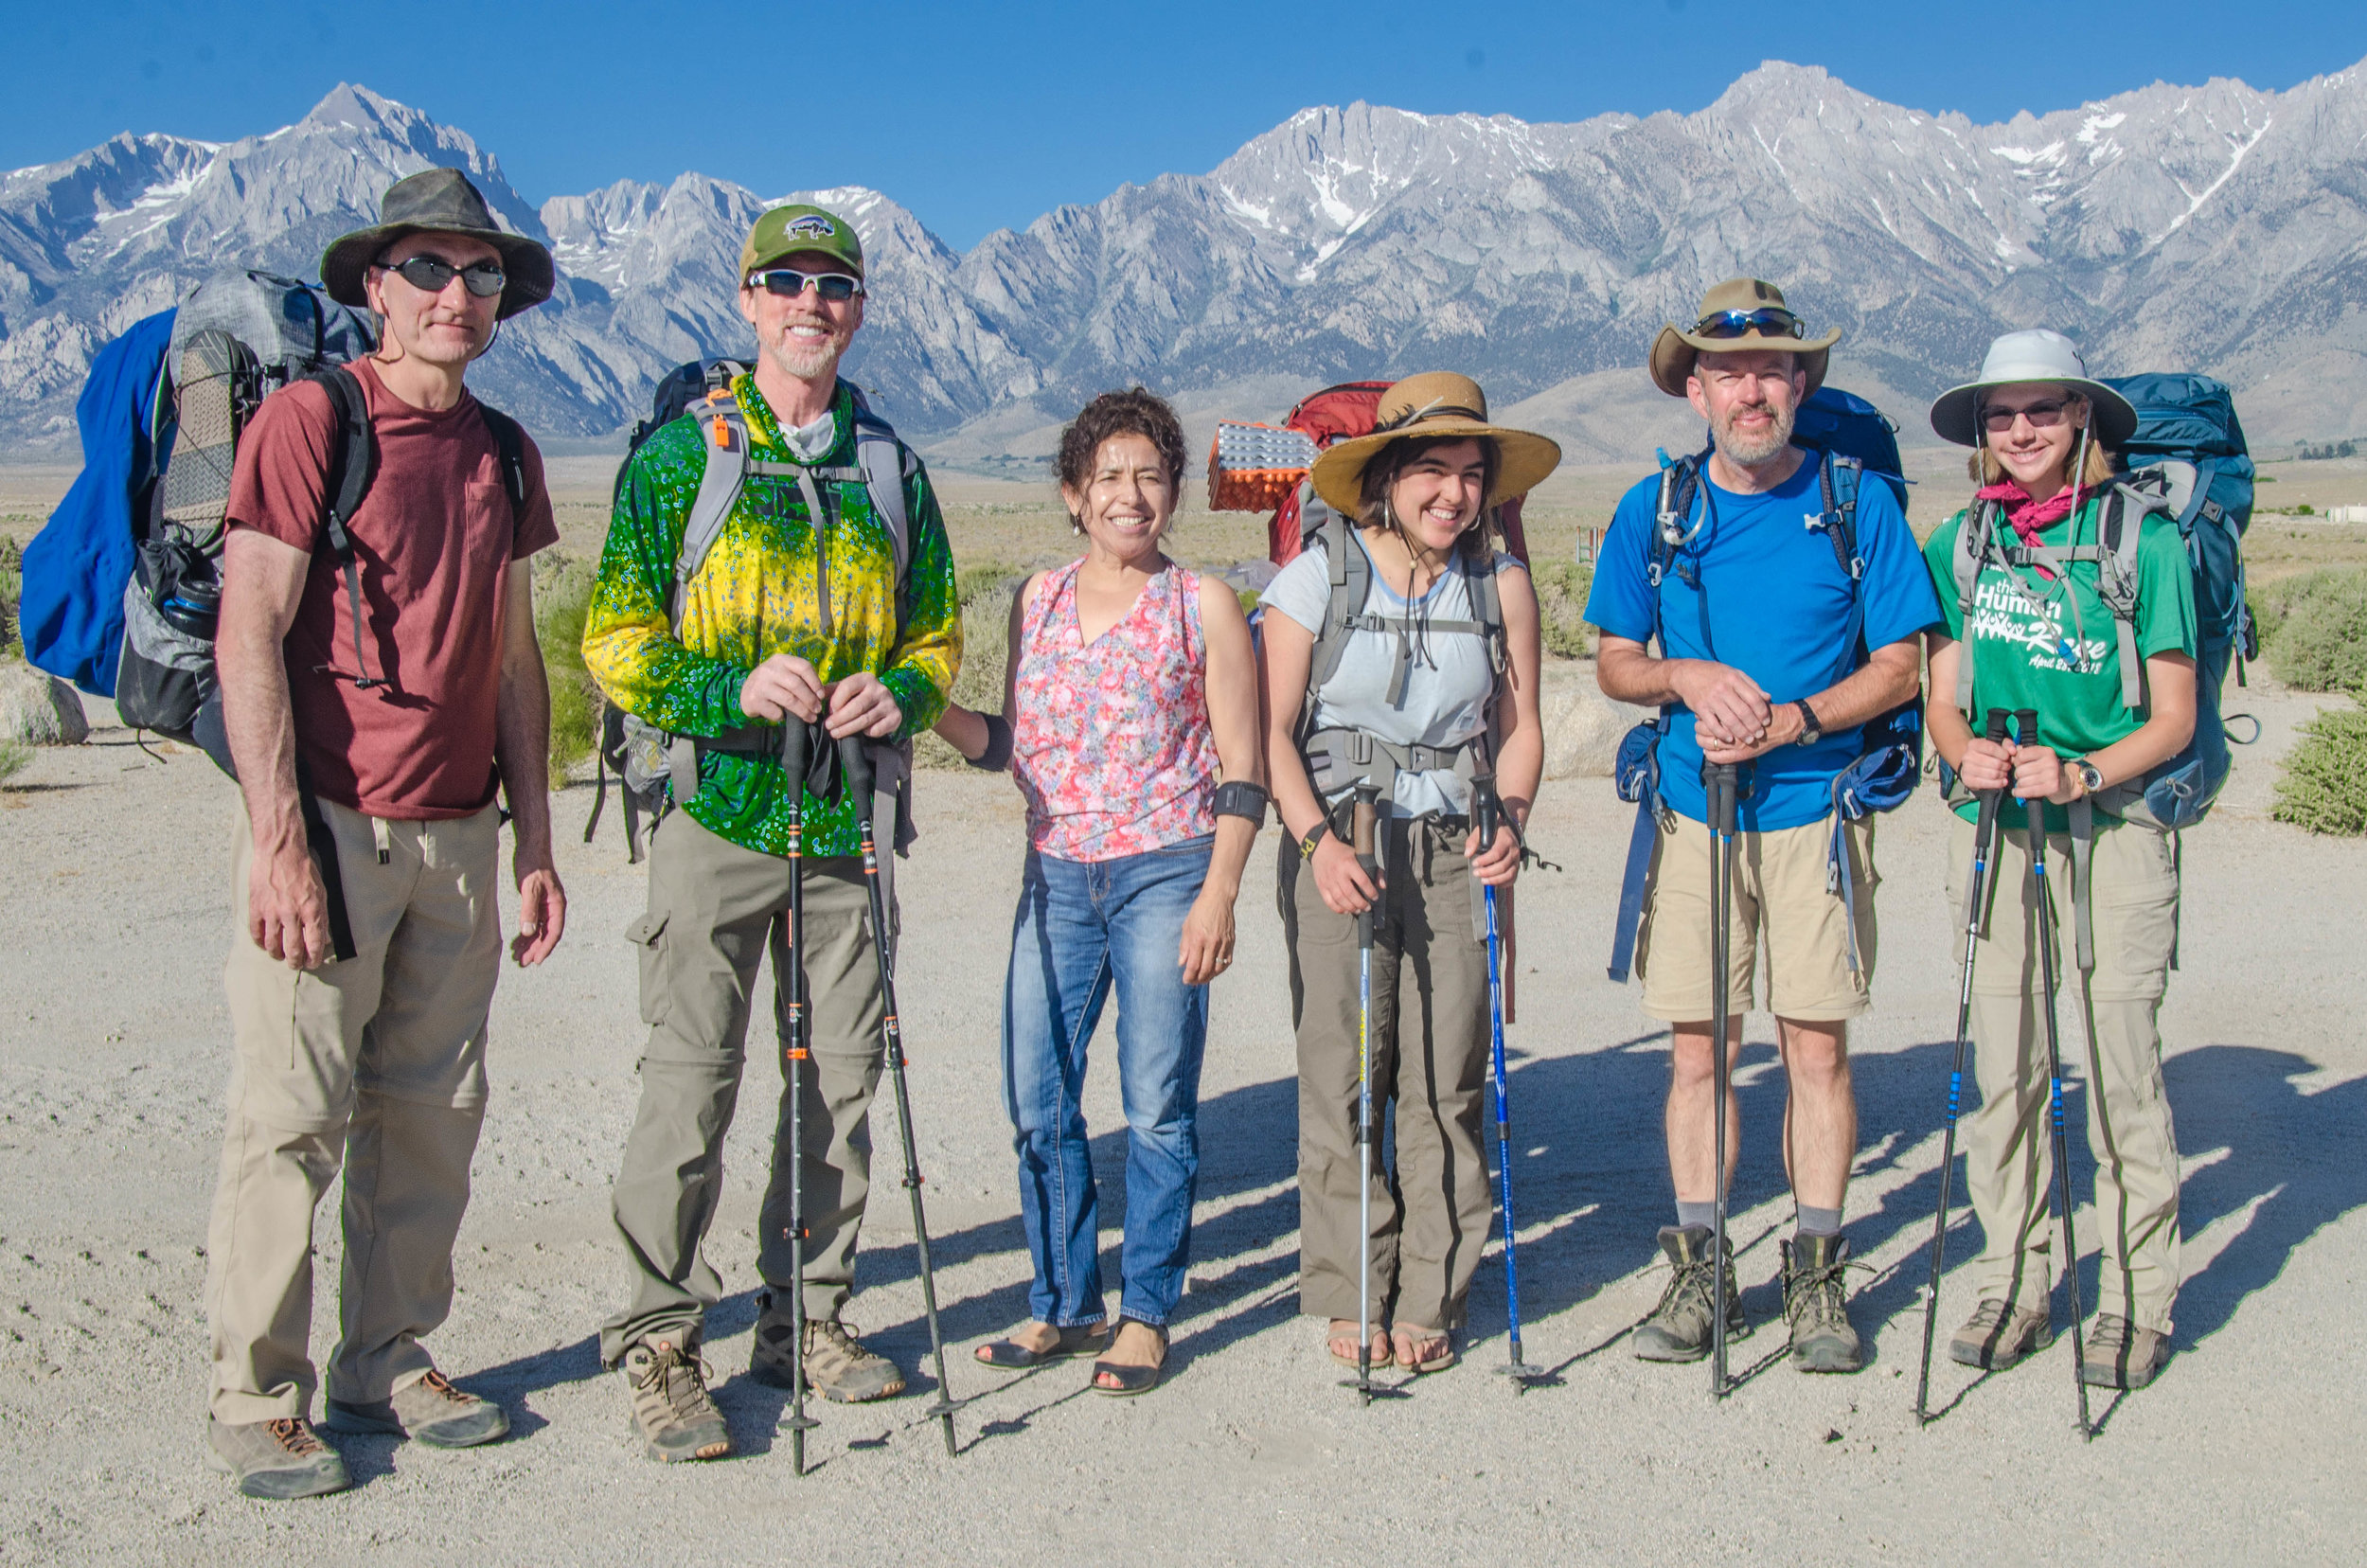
column 789, row 283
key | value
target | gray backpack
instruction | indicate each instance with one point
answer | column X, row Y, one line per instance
column 647, row 758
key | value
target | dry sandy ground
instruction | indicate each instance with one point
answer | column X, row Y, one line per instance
column 112, row 1049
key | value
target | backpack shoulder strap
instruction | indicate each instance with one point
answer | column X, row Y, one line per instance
column 346, row 483
column 1973, row 550
column 2121, row 530
column 887, row 464
column 1679, row 488
column 1839, row 479
column 723, row 432
column 509, row 441
column 1351, row 584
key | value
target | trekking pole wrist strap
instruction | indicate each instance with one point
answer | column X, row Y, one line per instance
column 1315, row 835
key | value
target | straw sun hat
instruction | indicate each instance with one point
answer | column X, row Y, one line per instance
column 1434, row 405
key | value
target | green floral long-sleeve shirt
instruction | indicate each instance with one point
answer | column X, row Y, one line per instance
column 756, row 596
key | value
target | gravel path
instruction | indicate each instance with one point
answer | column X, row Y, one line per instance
column 112, row 1054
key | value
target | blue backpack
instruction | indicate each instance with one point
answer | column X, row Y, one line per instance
column 2187, row 463
column 76, row 567
column 1850, row 439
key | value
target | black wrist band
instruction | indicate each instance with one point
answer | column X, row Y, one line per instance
column 997, row 757
column 1242, row 798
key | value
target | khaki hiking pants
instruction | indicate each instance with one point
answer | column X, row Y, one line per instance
column 1429, row 1053
column 377, row 1063
column 2009, row 1155
column 715, row 910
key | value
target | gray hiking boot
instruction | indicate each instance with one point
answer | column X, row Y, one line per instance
column 840, row 1368
column 276, row 1459
column 671, row 1413
column 2121, row 1355
column 1998, row 1336
column 1816, row 1301
column 430, row 1411
column 1679, row 1328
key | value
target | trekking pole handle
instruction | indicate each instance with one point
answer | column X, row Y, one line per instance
column 854, row 760
column 1998, row 720
column 795, row 739
column 1486, row 811
column 2026, row 726
column 1360, row 819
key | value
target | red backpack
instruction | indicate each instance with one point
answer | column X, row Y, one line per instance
column 1258, row 467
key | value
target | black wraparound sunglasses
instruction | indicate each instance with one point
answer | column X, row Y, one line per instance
column 431, row 273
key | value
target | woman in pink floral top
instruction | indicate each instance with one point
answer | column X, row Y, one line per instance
column 1131, row 724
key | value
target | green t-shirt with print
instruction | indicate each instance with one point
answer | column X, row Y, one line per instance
column 2050, row 645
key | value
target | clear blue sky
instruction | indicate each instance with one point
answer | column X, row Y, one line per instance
column 980, row 116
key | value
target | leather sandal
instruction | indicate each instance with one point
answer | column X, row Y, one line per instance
column 1384, row 1356
column 1131, row 1380
column 1076, row 1339
column 1439, row 1361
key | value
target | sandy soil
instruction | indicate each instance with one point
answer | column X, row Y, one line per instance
column 113, row 1057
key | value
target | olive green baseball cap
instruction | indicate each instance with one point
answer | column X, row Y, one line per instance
column 790, row 230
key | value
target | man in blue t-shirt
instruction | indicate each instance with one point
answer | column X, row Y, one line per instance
column 1769, row 659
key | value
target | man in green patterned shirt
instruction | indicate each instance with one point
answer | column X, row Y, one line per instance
column 787, row 614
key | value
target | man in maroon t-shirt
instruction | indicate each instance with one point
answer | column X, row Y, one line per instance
column 404, row 715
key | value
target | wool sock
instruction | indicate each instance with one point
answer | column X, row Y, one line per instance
column 1704, row 1215
column 1819, row 1221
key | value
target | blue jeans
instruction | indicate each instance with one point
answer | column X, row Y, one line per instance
column 1084, row 930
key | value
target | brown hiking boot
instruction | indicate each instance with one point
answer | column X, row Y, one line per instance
column 1998, row 1336
column 840, row 1368
column 427, row 1410
column 671, row 1413
column 2121, row 1355
column 1815, row 1300
column 277, row 1459
column 1679, row 1328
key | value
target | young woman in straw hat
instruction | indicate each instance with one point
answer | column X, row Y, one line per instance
column 2039, row 636
column 1431, row 688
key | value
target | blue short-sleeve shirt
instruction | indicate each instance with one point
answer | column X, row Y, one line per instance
column 1773, row 601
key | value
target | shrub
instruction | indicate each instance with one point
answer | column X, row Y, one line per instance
column 2325, row 787
column 2314, row 629
column 14, row 755
column 986, row 594
column 12, row 590
column 1561, row 590
column 562, row 598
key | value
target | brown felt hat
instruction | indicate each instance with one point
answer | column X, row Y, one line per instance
column 1729, row 307
column 437, row 201
column 1432, row 405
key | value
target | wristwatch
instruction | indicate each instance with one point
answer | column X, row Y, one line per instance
column 1810, row 731
column 2091, row 776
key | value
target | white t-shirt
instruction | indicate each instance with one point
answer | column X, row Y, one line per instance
column 1447, row 689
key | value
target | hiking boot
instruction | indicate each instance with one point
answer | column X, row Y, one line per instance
column 1997, row 1336
column 1816, row 1301
column 1679, row 1328
column 838, row 1366
column 430, row 1411
column 671, row 1413
column 277, row 1459
column 2121, row 1355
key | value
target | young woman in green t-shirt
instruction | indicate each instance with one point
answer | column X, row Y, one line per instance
column 2042, row 638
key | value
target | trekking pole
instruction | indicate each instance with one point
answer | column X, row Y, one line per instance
column 2026, row 722
column 855, row 763
column 1984, row 826
column 799, row 1047
column 1720, row 780
column 1485, row 810
column 1362, row 822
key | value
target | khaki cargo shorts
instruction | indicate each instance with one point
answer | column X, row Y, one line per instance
column 1780, row 894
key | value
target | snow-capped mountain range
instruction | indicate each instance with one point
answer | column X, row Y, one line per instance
column 2216, row 227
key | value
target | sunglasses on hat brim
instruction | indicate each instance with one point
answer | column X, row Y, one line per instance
column 789, row 283
column 1768, row 321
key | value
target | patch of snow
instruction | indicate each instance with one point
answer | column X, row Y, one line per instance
column 1770, row 154
column 2193, row 199
column 2093, row 124
column 1259, row 213
column 2050, row 154
column 1324, row 253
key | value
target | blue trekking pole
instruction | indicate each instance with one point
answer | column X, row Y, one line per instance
column 1983, row 828
column 1722, row 782
column 798, row 1046
column 1486, row 810
column 2026, row 722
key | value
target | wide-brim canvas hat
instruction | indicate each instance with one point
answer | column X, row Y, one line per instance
column 796, row 230
column 1675, row 350
column 1434, row 405
column 437, row 201
column 2020, row 358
